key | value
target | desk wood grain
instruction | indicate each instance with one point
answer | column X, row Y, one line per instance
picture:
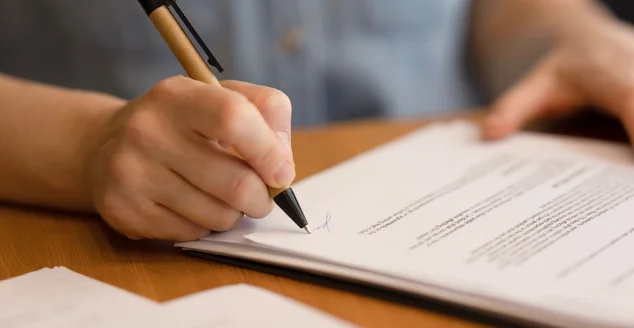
column 31, row 239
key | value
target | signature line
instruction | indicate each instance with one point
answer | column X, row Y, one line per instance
column 325, row 224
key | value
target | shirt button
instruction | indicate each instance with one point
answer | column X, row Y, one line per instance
column 292, row 40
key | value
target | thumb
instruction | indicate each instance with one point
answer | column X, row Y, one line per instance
column 274, row 106
column 532, row 97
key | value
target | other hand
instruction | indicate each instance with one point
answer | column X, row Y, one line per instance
column 159, row 172
column 590, row 66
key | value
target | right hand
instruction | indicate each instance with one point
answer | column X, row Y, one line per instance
column 158, row 171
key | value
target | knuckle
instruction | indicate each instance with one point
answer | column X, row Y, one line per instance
column 143, row 129
column 277, row 102
column 138, row 127
column 243, row 188
column 226, row 219
column 268, row 158
column 147, row 210
column 117, row 215
column 166, row 89
column 151, row 222
column 122, row 170
column 111, row 207
column 232, row 115
column 264, row 210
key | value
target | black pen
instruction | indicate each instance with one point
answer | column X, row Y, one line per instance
column 197, row 69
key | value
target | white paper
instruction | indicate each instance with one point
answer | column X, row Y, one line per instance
column 440, row 206
column 231, row 306
column 59, row 297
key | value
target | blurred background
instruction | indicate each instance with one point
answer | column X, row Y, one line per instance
column 336, row 59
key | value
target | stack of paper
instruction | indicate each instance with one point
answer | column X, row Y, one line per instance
column 60, row 298
column 534, row 227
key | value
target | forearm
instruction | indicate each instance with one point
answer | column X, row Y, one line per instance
column 508, row 37
column 45, row 133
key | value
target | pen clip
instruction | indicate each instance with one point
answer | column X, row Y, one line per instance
column 212, row 59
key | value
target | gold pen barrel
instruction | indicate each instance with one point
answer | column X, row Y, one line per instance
column 189, row 58
column 178, row 42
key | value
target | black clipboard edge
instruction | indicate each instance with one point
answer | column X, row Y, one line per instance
column 387, row 294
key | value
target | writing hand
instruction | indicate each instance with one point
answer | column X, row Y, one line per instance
column 156, row 173
column 591, row 66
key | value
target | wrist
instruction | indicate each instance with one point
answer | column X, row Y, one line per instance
column 95, row 128
column 46, row 133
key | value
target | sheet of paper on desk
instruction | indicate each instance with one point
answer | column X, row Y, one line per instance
column 231, row 306
column 543, row 223
column 59, row 297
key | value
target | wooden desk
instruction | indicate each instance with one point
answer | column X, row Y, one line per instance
column 31, row 239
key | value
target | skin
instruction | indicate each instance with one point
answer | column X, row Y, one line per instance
column 544, row 59
column 153, row 167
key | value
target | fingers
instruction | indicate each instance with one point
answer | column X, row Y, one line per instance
column 128, row 183
column 159, row 173
column 195, row 205
column 518, row 105
column 139, row 217
column 230, row 118
column 144, row 199
column 221, row 175
column 274, row 105
column 168, row 225
column 538, row 95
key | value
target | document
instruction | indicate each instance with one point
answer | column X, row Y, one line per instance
column 532, row 226
column 59, row 297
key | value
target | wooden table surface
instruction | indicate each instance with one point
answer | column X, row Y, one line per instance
column 31, row 239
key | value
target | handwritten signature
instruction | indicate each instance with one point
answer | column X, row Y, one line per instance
column 325, row 224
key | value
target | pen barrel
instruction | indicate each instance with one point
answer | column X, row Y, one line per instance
column 189, row 58
column 178, row 42
column 273, row 192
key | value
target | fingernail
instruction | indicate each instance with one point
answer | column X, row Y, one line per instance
column 286, row 139
column 284, row 174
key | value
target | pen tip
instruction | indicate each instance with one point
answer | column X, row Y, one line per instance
column 287, row 201
column 307, row 230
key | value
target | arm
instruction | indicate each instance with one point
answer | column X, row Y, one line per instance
column 509, row 37
column 45, row 133
column 147, row 166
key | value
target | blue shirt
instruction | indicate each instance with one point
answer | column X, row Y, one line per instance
column 336, row 59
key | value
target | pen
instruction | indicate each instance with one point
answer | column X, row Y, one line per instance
column 197, row 69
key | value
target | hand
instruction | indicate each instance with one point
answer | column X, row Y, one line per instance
column 590, row 66
column 158, row 172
